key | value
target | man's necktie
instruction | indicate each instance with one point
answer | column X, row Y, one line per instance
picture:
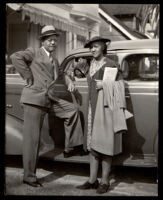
column 53, row 63
column 51, row 58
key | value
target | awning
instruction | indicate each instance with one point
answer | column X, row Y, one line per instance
column 38, row 16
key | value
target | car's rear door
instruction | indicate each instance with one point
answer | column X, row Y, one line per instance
column 141, row 75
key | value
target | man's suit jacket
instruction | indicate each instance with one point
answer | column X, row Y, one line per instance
column 36, row 65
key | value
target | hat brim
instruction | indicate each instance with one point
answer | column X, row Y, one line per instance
column 48, row 34
column 88, row 44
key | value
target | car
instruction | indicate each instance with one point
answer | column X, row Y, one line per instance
column 138, row 61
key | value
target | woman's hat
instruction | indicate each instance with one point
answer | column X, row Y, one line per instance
column 96, row 39
column 48, row 31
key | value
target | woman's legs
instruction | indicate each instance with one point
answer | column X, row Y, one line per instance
column 106, row 168
column 92, row 182
column 94, row 163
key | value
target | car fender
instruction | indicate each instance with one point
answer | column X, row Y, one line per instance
column 13, row 135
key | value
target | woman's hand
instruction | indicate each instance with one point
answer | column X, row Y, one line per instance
column 99, row 84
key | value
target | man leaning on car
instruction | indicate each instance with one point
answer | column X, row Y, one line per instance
column 40, row 69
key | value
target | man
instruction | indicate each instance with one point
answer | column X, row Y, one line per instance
column 40, row 69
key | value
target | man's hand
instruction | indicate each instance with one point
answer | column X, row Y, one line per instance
column 71, row 87
column 29, row 82
column 99, row 84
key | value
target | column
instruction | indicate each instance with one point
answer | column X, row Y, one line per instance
column 75, row 41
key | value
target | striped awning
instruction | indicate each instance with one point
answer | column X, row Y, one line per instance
column 41, row 17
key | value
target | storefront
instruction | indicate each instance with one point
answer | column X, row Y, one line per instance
column 73, row 21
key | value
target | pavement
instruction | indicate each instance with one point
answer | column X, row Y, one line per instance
column 61, row 179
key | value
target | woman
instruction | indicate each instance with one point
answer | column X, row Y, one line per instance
column 103, row 141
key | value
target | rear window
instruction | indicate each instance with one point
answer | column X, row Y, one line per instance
column 142, row 67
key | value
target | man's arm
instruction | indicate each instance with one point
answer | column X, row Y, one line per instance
column 21, row 61
column 68, row 81
column 70, row 84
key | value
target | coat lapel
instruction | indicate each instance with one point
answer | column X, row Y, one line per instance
column 50, row 67
column 44, row 56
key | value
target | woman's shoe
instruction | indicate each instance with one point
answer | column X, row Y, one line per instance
column 88, row 185
column 102, row 188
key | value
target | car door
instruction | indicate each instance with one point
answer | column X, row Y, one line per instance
column 77, row 68
column 140, row 72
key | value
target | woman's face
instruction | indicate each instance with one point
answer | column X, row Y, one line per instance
column 97, row 49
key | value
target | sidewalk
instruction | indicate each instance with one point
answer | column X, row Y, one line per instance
column 63, row 183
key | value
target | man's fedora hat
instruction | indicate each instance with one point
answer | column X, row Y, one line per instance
column 48, row 31
column 96, row 39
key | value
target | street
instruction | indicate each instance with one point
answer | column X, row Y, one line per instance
column 61, row 179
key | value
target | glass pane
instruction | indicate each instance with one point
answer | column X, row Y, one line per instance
column 149, row 67
column 77, row 68
column 141, row 67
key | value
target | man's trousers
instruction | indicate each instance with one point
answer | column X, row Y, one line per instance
column 33, row 122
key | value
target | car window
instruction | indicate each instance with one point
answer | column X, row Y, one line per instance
column 141, row 67
column 77, row 68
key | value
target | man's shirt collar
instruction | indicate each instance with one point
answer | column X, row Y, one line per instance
column 48, row 53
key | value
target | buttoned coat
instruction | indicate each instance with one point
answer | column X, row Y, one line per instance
column 36, row 65
column 103, row 138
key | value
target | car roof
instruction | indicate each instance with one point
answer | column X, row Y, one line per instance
column 135, row 44
column 125, row 45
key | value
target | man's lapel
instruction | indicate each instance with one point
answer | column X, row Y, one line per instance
column 49, row 63
column 44, row 56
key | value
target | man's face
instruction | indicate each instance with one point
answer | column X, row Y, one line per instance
column 97, row 49
column 50, row 43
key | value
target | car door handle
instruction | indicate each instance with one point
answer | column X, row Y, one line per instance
column 9, row 106
column 127, row 96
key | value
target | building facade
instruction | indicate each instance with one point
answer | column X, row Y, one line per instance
column 130, row 16
column 75, row 22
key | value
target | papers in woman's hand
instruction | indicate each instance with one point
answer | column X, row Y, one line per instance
column 110, row 73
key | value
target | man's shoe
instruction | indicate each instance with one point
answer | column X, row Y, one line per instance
column 88, row 185
column 68, row 154
column 33, row 184
column 83, row 153
column 102, row 188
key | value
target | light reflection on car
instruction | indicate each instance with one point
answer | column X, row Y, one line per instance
column 139, row 64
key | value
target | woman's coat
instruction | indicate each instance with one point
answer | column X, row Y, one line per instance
column 104, row 138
